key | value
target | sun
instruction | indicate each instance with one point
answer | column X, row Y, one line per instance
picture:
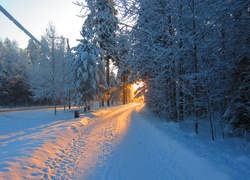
column 135, row 86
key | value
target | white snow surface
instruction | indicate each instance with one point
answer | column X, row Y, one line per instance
column 119, row 142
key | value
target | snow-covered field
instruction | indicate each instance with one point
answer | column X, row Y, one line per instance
column 120, row 142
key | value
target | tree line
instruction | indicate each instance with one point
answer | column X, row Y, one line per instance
column 55, row 75
column 14, row 86
column 194, row 57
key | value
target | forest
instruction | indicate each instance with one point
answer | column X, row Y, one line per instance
column 191, row 59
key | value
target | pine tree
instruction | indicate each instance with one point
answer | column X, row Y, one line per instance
column 88, row 73
column 100, row 28
column 241, row 95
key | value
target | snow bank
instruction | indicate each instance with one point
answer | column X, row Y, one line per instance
column 29, row 138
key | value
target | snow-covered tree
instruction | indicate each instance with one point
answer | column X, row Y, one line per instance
column 33, row 51
column 186, row 51
column 14, row 88
column 235, row 49
column 115, row 93
column 47, row 74
column 151, row 53
column 68, row 75
column 100, row 29
column 89, row 73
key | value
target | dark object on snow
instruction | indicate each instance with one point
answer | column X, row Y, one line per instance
column 77, row 114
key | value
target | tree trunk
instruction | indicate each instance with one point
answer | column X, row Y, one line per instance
column 222, row 129
column 124, row 90
column 69, row 102
column 181, row 94
column 53, row 73
column 210, row 116
column 55, row 106
column 107, row 78
column 196, row 71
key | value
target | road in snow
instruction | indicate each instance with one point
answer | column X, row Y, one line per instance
column 111, row 143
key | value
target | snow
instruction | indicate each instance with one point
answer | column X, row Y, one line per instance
column 119, row 142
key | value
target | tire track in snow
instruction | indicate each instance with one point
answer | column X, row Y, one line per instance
column 103, row 142
column 87, row 155
column 105, row 154
column 130, row 160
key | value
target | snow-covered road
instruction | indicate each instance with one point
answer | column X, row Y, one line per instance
column 111, row 143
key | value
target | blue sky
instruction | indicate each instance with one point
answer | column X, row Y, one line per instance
column 35, row 15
